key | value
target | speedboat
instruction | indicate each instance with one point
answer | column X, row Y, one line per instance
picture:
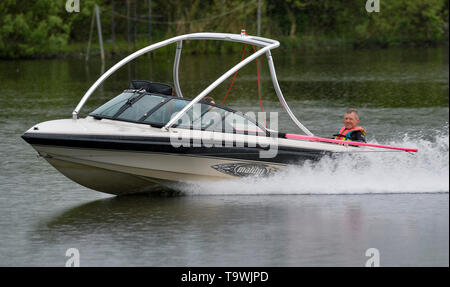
column 150, row 136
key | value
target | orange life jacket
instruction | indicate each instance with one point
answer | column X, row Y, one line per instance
column 345, row 133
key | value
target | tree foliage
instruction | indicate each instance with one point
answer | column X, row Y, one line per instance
column 43, row 27
column 29, row 28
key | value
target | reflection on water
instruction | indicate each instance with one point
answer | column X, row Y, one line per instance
column 252, row 230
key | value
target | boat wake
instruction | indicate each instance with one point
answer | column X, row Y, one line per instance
column 366, row 173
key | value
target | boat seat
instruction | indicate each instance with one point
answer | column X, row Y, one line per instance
column 151, row 87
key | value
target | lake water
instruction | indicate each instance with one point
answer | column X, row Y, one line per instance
column 328, row 214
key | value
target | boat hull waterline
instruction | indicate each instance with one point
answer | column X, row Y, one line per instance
column 128, row 165
column 115, row 157
column 125, row 172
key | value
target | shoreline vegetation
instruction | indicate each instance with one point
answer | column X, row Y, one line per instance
column 44, row 29
column 78, row 50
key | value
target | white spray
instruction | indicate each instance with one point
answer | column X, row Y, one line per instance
column 376, row 172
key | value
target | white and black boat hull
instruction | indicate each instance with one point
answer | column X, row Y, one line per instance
column 126, row 172
column 127, row 163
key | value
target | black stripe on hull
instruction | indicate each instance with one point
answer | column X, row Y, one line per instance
column 284, row 155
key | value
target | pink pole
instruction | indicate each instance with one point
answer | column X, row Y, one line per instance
column 319, row 139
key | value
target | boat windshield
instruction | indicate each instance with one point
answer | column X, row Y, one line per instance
column 157, row 110
column 111, row 107
column 129, row 106
column 203, row 116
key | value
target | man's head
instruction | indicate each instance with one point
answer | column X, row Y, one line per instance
column 209, row 100
column 351, row 119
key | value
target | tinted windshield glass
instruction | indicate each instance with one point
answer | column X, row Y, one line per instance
column 200, row 116
column 139, row 108
column 242, row 124
column 129, row 106
column 158, row 110
column 212, row 118
column 209, row 118
column 162, row 115
column 203, row 116
column 112, row 107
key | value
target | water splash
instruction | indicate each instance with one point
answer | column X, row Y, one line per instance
column 378, row 172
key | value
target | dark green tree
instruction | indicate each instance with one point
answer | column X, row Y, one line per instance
column 30, row 28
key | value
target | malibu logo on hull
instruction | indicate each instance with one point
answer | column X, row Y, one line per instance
column 245, row 169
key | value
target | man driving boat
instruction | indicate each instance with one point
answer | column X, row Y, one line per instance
column 351, row 131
